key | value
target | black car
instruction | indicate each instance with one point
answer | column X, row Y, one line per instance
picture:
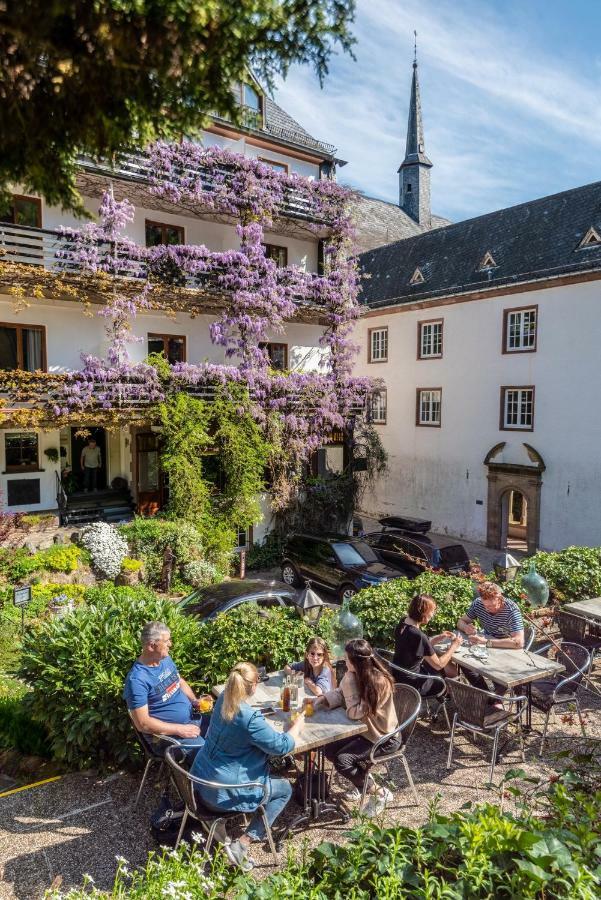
column 208, row 602
column 339, row 563
column 412, row 550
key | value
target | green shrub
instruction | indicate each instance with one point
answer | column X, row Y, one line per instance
column 267, row 637
column 18, row 730
column 33, row 520
column 479, row 853
column 266, row 555
column 573, row 574
column 18, row 565
column 77, row 665
column 381, row 608
column 131, row 565
column 148, row 538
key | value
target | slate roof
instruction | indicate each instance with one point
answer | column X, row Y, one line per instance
column 282, row 126
column 379, row 222
column 528, row 242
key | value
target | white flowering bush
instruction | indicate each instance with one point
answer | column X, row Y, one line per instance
column 106, row 547
column 200, row 572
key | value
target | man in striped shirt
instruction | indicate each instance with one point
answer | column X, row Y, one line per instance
column 501, row 621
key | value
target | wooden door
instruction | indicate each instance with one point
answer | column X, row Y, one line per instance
column 148, row 469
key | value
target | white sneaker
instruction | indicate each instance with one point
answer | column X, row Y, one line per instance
column 353, row 795
column 377, row 802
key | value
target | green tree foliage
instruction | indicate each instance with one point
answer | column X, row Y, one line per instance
column 99, row 78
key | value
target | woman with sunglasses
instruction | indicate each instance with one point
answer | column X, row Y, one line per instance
column 366, row 691
column 237, row 748
column 316, row 667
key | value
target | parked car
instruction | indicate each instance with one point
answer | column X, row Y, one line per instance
column 401, row 548
column 339, row 563
column 208, row 602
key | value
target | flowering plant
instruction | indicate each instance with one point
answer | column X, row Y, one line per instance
column 106, row 547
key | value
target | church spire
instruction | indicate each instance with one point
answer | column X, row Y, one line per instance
column 414, row 171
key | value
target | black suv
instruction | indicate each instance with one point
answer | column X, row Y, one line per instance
column 337, row 562
column 404, row 543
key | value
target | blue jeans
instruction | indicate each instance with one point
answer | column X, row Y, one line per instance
column 280, row 792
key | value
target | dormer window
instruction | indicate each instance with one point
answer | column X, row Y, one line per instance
column 417, row 277
column 251, row 98
column 590, row 239
column 487, row 262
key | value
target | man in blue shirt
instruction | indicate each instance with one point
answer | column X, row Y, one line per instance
column 501, row 622
column 159, row 699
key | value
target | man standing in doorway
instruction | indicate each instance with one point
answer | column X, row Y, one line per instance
column 90, row 461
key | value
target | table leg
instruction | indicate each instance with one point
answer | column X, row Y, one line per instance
column 315, row 805
column 527, row 727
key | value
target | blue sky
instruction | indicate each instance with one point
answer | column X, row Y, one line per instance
column 511, row 96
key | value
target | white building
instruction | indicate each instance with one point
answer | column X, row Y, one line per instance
column 485, row 335
column 40, row 332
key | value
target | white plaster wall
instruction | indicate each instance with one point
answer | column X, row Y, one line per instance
column 47, row 476
column 438, row 473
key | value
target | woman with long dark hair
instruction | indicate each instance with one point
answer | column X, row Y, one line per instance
column 414, row 651
column 366, row 691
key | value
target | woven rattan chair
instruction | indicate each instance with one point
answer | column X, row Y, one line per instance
column 153, row 747
column 175, row 758
column 475, row 713
column 548, row 693
column 577, row 630
column 386, row 656
column 407, row 704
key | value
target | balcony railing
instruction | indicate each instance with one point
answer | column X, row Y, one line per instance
column 136, row 167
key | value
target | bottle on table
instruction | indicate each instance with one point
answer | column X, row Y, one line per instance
column 286, row 695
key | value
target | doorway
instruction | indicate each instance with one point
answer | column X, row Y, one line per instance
column 148, row 473
column 514, row 516
column 79, row 439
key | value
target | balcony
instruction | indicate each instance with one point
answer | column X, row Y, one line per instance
column 297, row 215
column 51, row 251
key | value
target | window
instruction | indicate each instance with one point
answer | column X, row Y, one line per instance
column 172, row 345
column 417, row 277
column 378, row 404
column 519, row 330
column 487, row 262
column 245, row 538
column 428, row 407
column 251, row 97
column 429, row 336
column 378, row 345
column 278, row 254
column 277, row 354
column 23, row 347
column 160, row 233
column 275, row 164
column 408, row 188
column 590, row 239
column 21, row 451
column 517, row 408
column 23, row 211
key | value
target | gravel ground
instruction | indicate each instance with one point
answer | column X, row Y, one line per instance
column 81, row 823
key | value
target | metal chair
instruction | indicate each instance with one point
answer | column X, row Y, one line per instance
column 529, row 635
column 578, row 630
column 407, row 703
column 386, row 656
column 175, row 758
column 153, row 747
column 561, row 688
column 474, row 713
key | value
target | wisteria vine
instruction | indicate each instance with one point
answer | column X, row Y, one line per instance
column 258, row 297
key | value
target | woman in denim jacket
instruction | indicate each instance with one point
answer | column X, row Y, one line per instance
column 237, row 748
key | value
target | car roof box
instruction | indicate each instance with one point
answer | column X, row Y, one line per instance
column 420, row 526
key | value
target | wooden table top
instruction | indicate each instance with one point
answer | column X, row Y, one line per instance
column 509, row 667
column 590, row 609
column 324, row 727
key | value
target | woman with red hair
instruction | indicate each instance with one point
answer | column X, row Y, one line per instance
column 414, row 651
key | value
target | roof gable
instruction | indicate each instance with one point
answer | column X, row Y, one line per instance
column 530, row 241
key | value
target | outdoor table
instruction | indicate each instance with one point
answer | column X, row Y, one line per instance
column 322, row 728
column 511, row 668
column 586, row 609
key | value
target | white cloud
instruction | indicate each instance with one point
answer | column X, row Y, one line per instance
column 504, row 120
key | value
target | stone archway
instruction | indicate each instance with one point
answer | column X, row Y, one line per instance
column 504, row 477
